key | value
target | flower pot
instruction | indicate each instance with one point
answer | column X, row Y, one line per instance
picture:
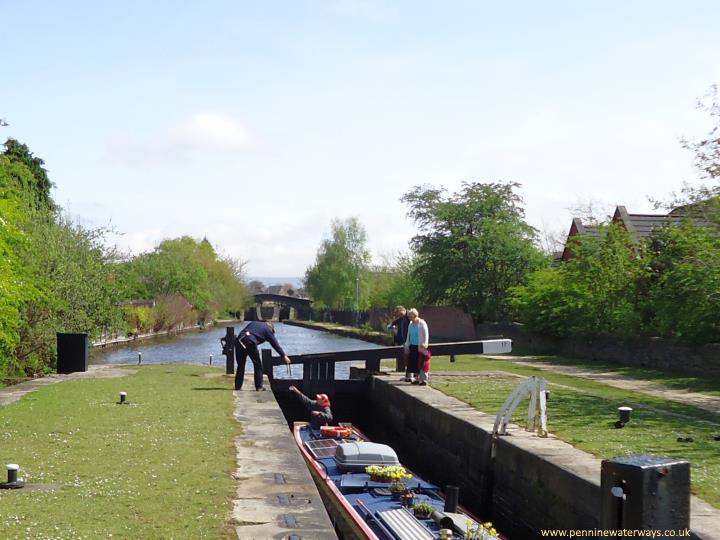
column 407, row 499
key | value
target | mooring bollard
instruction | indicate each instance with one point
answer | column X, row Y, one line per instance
column 12, row 470
column 645, row 492
column 139, row 358
column 624, row 413
column 12, row 481
column 211, row 359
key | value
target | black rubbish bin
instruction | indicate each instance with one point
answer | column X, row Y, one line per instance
column 72, row 352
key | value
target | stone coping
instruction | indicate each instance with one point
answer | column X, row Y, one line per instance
column 276, row 496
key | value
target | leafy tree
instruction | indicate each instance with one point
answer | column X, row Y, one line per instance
column 37, row 186
column 256, row 287
column 702, row 199
column 595, row 292
column 17, row 286
column 73, row 273
column 190, row 268
column 472, row 247
column 340, row 273
column 394, row 284
column 684, row 287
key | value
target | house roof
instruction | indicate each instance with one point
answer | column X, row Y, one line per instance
column 641, row 226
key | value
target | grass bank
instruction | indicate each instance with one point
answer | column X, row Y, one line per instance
column 582, row 412
column 156, row 468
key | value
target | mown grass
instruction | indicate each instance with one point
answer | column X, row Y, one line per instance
column 156, row 468
column 582, row 412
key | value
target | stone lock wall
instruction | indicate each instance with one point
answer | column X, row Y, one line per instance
column 647, row 352
column 529, row 484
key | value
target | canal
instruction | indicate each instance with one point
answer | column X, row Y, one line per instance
column 195, row 347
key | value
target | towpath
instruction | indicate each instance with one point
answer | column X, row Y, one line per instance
column 618, row 380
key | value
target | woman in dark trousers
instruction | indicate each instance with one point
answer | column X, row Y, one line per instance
column 400, row 328
column 416, row 346
column 246, row 346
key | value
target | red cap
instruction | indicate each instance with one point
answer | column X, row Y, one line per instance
column 323, row 400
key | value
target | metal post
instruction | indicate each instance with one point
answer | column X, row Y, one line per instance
column 357, row 300
column 229, row 349
column 645, row 492
column 267, row 365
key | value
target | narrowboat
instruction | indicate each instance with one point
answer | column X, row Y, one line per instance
column 402, row 507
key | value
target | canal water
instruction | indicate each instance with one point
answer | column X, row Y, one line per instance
column 196, row 347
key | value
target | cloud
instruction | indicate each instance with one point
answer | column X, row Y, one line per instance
column 202, row 131
column 213, row 131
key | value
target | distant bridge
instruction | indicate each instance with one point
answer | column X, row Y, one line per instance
column 281, row 309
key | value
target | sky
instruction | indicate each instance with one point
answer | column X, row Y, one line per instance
column 256, row 123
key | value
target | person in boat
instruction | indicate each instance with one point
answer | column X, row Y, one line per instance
column 416, row 347
column 246, row 346
column 320, row 413
column 400, row 328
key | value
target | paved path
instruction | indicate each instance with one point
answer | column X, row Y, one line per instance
column 276, row 496
column 617, row 380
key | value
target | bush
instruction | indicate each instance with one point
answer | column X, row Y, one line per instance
column 684, row 288
column 596, row 292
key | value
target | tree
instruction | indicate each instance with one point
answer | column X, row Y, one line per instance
column 339, row 277
column 256, row 287
column 684, row 284
column 595, row 292
column 73, row 272
column 473, row 246
column 702, row 200
column 190, row 268
column 394, row 283
column 39, row 188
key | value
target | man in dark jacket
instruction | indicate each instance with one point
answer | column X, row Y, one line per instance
column 400, row 330
column 246, row 345
column 320, row 413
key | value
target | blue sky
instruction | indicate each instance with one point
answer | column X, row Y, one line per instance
column 256, row 123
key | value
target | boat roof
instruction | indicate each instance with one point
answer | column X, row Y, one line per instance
column 371, row 500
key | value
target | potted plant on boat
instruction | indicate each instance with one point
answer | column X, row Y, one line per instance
column 423, row 510
column 407, row 499
column 481, row 531
column 389, row 473
column 398, row 489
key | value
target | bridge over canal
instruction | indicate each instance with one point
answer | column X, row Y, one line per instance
column 275, row 307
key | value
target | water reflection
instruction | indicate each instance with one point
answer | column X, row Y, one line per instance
column 196, row 348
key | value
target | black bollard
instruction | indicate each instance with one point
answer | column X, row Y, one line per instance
column 624, row 413
column 452, row 494
column 12, row 482
column 12, row 470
